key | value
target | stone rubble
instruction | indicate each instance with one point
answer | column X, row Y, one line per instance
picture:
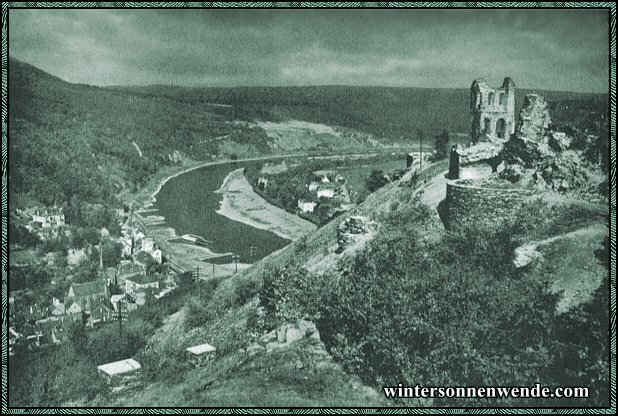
column 353, row 230
column 283, row 336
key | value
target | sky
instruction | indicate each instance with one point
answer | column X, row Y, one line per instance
column 563, row 50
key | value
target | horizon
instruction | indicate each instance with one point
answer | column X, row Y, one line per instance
column 493, row 85
column 563, row 50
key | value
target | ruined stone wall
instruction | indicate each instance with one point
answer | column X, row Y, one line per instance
column 470, row 203
column 492, row 111
column 534, row 118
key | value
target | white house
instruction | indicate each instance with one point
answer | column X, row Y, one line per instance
column 147, row 245
column 313, row 186
column 326, row 193
column 49, row 218
column 157, row 255
column 306, row 206
column 140, row 282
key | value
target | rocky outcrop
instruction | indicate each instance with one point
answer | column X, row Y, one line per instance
column 534, row 118
column 283, row 336
column 354, row 230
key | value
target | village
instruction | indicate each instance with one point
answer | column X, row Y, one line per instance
column 330, row 186
column 319, row 190
column 110, row 295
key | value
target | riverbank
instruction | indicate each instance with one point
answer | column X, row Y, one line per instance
column 241, row 203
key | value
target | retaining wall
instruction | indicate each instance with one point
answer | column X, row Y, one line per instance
column 470, row 203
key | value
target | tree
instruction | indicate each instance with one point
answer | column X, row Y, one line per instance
column 112, row 253
column 376, row 180
column 440, row 143
column 87, row 271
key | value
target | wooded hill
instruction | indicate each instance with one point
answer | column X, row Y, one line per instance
column 77, row 140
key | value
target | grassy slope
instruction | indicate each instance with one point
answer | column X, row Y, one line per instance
column 271, row 379
column 300, row 376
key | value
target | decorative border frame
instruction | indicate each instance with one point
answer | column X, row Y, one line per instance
column 612, row 73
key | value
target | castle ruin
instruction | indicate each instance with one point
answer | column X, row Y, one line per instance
column 492, row 111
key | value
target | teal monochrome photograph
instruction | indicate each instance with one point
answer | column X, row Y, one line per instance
column 308, row 208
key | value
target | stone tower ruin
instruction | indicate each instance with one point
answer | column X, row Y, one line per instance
column 492, row 111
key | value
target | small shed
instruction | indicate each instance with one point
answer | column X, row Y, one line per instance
column 200, row 354
column 120, row 374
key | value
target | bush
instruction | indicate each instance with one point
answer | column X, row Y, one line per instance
column 290, row 293
column 197, row 314
column 245, row 290
column 375, row 181
column 406, row 306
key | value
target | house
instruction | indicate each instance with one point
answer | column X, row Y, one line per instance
column 148, row 244
column 127, row 245
column 51, row 331
column 326, row 193
column 140, row 282
column 157, row 255
column 200, row 354
column 262, row 183
column 128, row 269
column 138, row 235
column 103, row 312
column 48, row 217
column 74, row 310
column 313, row 186
column 57, row 308
column 339, row 178
column 120, row 374
column 87, row 294
column 324, row 174
column 306, row 206
column 14, row 339
column 122, row 305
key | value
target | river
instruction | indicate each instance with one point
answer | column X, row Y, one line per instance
column 189, row 204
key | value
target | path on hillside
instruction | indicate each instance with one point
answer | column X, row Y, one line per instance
column 580, row 273
column 525, row 253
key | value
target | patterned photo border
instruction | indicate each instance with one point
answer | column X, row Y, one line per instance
column 612, row 54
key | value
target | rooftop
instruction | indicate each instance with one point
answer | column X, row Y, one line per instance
column 120, row 367
column 130, row 268
column 201, row 349
column 48, row 211
column 88, row 288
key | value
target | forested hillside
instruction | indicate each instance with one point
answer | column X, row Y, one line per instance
column 78, row 141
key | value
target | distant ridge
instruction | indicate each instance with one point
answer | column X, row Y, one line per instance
column 59, row 130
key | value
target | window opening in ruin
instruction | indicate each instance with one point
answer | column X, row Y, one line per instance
column 500, row 128
column 501, row 99
column 490, row 98
column 487, row 128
